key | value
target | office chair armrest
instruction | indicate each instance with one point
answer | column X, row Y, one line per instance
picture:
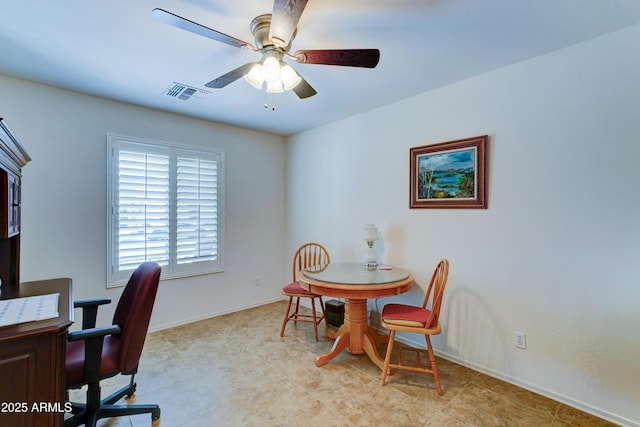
column 93, row 340
column 90, row 302
column 90, row 310
column 93, row 333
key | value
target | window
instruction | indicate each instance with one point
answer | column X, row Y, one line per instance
column 165, row 204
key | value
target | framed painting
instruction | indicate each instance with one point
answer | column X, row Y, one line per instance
column 449, row 174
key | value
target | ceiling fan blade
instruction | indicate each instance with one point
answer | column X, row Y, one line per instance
column 185, row 24
column 231, row 76
column 304, row 89
column 284, row 20
column 366, row 58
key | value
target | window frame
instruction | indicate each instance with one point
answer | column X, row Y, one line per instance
column 172, row 270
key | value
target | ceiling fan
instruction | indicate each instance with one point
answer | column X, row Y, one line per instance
column 273, row 35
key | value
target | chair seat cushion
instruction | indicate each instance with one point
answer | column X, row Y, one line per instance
column 75, row 361
column 294, row 288
column 405, row 315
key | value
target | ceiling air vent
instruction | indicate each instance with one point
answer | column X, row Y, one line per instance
column 184, row 92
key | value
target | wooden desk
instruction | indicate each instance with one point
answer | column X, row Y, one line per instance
column 354, row 283
column 32, row 360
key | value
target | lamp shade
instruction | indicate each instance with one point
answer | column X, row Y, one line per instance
column 254, row 76
column 274, row 87
column 290, row 78
column 271, row 69
column 369, row 232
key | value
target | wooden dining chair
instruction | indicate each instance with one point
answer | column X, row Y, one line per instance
column 307, row 255
column 420, row 320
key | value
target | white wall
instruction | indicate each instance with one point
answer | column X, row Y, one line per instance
column 556, row 255
column 64, row 199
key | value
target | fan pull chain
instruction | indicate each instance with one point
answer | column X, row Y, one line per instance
column 273, row 101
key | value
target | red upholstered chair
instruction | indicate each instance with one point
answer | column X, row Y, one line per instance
column 420, row 320
column 96, row 353
column 307, row 255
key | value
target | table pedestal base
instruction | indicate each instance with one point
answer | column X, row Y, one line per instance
column 354, row 335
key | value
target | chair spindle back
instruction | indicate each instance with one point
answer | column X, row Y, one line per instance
column 309, row 255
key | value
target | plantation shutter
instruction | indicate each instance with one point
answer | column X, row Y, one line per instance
column 166, row 205
column 197, row 210
column 142, row 208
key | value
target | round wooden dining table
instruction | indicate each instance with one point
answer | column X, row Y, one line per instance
column 355, row 283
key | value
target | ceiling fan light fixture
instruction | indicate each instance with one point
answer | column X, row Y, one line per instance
column 290, row 78
column 254, row 76
column 273, row 34
column 270, row 69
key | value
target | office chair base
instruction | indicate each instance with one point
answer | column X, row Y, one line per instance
column 89, row 414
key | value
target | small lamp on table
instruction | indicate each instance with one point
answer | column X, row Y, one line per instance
column 370, row 235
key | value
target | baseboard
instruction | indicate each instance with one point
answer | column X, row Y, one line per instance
column 163, row 326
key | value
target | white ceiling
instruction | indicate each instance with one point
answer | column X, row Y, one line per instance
column 115, row 49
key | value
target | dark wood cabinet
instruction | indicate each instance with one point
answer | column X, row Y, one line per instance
column 13, row 158
column 32, row 354
column 10, row 200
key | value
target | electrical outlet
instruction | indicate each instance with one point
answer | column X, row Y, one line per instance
column 520, row 340
column 257, row 281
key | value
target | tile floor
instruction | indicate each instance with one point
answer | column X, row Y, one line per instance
column 235, row 370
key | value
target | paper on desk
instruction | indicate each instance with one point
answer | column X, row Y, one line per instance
column 28, row 309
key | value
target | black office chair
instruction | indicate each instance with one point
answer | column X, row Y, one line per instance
column 96, row 353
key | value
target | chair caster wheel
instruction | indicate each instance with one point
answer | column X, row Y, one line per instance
column 131, row 391
column 155, row 415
